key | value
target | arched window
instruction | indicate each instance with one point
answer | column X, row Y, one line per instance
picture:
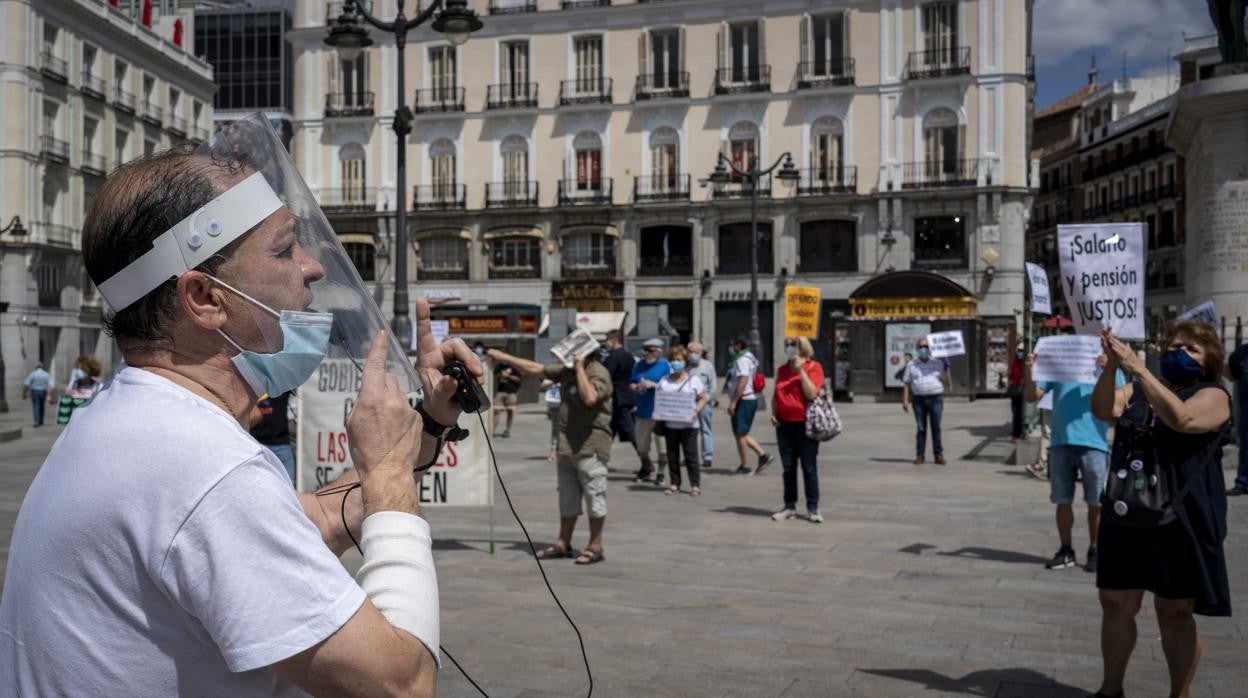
column 588, row 254
column 352, row 165
column 515, row 154
column 442, row 169
column 743, row 145
column 942, row 144
column 443, row 257
column 664, row 161
column 827, row 138
column 363, row 256
column 516, row 256
column 588, row 147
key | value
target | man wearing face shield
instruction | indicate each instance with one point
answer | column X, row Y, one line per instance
column 176, row 558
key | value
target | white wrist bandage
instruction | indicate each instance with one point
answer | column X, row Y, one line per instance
column 398, row 574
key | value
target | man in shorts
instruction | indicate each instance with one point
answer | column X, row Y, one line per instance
column 743, row 404
column 1079, row 447
column 506, row 388
column 584, row 448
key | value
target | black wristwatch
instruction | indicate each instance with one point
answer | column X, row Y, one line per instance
column 439, row 431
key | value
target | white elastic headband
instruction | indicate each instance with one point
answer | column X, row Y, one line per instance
column 193, row 240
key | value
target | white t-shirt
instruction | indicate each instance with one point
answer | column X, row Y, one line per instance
column 690, row 384
column 161, row 551
column 924, row 376
column 744, row 365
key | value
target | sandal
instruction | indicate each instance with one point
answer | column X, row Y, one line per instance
column 589, row 557
column 553, row 552
column 672, row 490
column 695, row 492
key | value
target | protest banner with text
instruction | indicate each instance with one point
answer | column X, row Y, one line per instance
column 801, row 311
column 1102, row 269
column 1039, row 289
column 1204, row 312
column 1067, row 359
column 946, row 344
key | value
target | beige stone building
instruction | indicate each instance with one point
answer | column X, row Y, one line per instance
column 556, row 161
column 83, row 87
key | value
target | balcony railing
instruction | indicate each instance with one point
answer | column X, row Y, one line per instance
column 349, row 104
column 443, row 272
column 940, row 174
column 665, row 266
column 742, row 79
column 152, row 114
column 511, row 194
column 587, row 91
column 574, row 192
column 177, row 124
column 662, row 86
column 92, row 86
column 53, row 234
column 513, row 95
column 826, row 181
column 590, row 270
column 93, row 164
column 54, row 149
column 334, row 9
column 440, row 197
column 440, row 99
column 743, row 189
column 123, row 101
column 349, row 200
column 652, row 188
column 511, row 7
column 1148, row 196
column 1166, row 191
column 1116, row 206
column 826, row 73
column 516, row 272
column 939, row 63
column 581, row 4
column 53, row 67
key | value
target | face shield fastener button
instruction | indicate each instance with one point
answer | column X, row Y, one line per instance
column 195, row 240
column 214, row 227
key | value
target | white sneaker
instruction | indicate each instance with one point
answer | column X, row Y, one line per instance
column 784, row 515
column 815, row 516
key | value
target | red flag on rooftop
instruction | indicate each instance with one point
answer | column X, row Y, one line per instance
column 147, row 13
column 177, row 32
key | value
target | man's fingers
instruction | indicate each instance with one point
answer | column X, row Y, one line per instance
column 425, row 343
column 456, row 349
column 375, row 364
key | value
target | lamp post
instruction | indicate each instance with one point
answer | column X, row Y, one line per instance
column 788, row 175
column 18, row 231
column 348, row 35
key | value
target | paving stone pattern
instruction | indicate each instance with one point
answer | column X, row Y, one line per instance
column 924, row 581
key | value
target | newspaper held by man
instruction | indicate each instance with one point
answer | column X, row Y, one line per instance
column 580, row 343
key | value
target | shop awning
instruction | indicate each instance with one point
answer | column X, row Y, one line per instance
column 599, row 324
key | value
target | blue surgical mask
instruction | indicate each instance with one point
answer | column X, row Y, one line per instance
column 694, row 358
column 925, row 353
column 1179, row 368
column 305, row 340
column 677, row 366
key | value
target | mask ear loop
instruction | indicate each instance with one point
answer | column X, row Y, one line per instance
column 255, row 302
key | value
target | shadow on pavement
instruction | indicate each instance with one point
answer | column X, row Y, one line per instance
column 977, row 553
column 744, row 511
column 987, row 429
column 917, row 548
column 909, row 461
column 999, row 683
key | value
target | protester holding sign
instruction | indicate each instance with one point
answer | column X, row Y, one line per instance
column 798, row 382
column 924, row 381
column 679, row 400
column 1167, row 443
column 646, row 376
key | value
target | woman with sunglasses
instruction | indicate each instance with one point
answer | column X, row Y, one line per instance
column 1180, row 417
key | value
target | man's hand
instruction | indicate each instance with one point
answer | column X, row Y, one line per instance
column 732, row 408
column 905, row 406
column 646, row 384
column 431, row 357
column 384, row 433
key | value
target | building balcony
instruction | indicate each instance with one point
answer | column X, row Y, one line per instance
column 1166, row 191
column 582, row 4
column 152, row 114
column 177, row 124
column 515, row 95
column 1148, row 196
column 339, row 104
column 440, row 197
column 589, row 91
column 334, row 9
column 743, row 189
column 349, row 200
column 657, row 188
column 53, row 234
column 743, row 79
column 942, row 174
column 516, row 272
column 439, row 100
column 828, row 181
column 511, row 194
column 54, row 150
column 443, row 272
column 93, row 164
column 512, row 7
column 674, row 85
column 575, row 192
column 123, row 101
column 1116, row 206
column 588, row 270
column 939, row 63
column 92, row 86
column 827, row 73
column 665, row 266
column 53, row 67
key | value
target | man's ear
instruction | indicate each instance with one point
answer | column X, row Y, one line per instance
column 201, row 300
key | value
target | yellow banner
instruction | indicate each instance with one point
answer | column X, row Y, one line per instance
column 801, row 311
column 885, row 308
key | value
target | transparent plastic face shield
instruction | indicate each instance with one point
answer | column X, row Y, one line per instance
column 285, row 276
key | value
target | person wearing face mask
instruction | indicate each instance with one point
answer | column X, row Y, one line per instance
column 1015, row 391
column 700, row 365
column 1178, row 420
column 646, row 376
column 924, row 384
column 798, row 382
column 682, row 434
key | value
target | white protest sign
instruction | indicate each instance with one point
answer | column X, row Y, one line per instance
column 900, row 339
column 1102, row 267
column 675, row 406
column 461, row 477
column 1067, row 359
column 440, row 329
column 1039, row 289
column 946, row 344
column 1202, row 313
column 1046, row 402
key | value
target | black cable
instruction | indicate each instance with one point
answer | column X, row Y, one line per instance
column 461, row 670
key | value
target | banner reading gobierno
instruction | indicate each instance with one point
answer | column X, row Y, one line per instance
column 1102, row 270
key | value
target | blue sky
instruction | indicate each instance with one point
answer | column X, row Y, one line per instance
column 1067, row 32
